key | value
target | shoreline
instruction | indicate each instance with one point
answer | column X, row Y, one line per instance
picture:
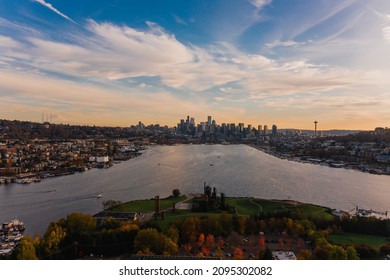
column 30, row 177
column 323, row 162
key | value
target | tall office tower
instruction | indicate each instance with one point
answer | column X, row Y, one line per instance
column 192, row 121
column 209, row 120
column 203, row 125
column 225, row 129
column 274, row 130
column 241, row 127
column 265, row 130
column 315, row 128
column 232, row 127
column 259, row 130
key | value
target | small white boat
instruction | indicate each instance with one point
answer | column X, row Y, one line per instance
column 99, row 196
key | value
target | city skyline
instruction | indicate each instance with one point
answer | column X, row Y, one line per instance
column 255, row 61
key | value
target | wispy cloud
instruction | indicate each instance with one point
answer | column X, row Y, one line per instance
column 288, row 43
column 386, row 33
column 260, row 3
column 50, row 6
column 179, row 20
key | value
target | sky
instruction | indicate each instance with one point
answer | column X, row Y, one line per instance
column 117, row 62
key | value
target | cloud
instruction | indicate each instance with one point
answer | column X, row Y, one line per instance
column 91, row 75
column 179, row 20
column 288, row 43
column 260, row 3
column 89, row 103
column 386, row 33
column 7, row 42
column 50, row 6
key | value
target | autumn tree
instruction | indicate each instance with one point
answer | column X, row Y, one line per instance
column 201, row 239
column 352, row 253
column 210, row 240
column 155, row 241
column 173, row 233
column 188, row 229
column 51, row 242
column 337, row 253
column 25, row 249
column 80, row 223
column 239, row 223
column 238, row 254
column 226, row 224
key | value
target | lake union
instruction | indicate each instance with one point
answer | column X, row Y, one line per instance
column 236, row 170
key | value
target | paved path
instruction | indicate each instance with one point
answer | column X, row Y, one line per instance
column 255, row 203
column 182, row 205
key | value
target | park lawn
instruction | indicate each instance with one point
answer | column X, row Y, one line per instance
column 316, row 212
column 147, row 205
column 271, row 206
column 170, row 217
column 243, row 206
column 251, row 206
column 355, row 238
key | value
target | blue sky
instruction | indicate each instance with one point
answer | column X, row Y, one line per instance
column 253, row 61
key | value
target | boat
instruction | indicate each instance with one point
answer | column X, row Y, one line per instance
column 11, row 233
column 99, row 196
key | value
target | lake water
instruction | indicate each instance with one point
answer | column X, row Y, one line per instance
column 236, row 170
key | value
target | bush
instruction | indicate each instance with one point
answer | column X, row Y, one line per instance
column 365, row 251
column 385, row 249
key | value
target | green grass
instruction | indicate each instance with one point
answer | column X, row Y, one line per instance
column 354, row 238
column 244, row 206
column 146, row 206
column 250, row 206
column 316, row 212
column 171, row 217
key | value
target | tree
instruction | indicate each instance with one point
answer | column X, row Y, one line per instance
column 365, row 251
column 147, row 238
column 26, row 250
column 110, row 223
column 352, row 253
column 239, row 223
column 176, row 192
column 267, row 254
column 80, row 223
column 385, row 249
column 238, row 254
column 305, row 255
column 337, row 253
column 155, row 241
column 189, row 229
column 108, row 204
column 206, row 251
column 201, row 239
column 210, row 240
column 172, row 232
column 51, row 242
